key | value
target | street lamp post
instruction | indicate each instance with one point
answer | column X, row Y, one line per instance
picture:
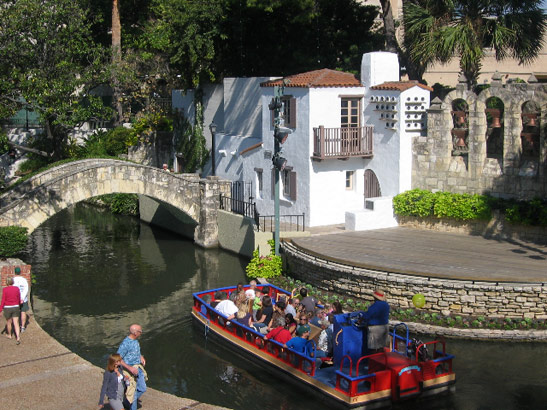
column 280, row 135
column 213, row 129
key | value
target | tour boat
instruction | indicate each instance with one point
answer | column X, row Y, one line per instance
column 408, row 368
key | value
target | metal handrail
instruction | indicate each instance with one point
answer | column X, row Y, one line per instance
column 288, row 222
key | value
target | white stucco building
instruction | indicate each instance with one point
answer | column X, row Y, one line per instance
column 350, row 142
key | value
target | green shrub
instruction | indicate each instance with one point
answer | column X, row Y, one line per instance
column 13, row 240
column 124, row 204
column 4, row 147
column 421, row 203
column 533, row 212
column 264, row 266
column 461, row 206
column 416, row 202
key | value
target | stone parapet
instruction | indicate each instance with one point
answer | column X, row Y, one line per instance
column 447, row 297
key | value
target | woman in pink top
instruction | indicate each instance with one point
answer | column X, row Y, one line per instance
column 11, row 300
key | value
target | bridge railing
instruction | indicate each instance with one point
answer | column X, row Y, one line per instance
column 240, row 207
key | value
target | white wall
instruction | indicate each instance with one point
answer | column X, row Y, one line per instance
column 385, row 162
column 379, row 67
column 295, row 150
column 416, row 102
column 327, row 184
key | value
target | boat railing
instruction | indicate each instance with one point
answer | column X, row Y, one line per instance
column 396, row 338
column 253, row 338
column 362, row 384
column 439, row 364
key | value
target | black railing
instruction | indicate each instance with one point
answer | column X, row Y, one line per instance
column 239, row 207
column 287, row 223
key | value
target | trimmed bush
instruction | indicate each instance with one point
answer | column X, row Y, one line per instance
column 421, row 203
column 461, row 206
column 13, row 240
column 416, row 202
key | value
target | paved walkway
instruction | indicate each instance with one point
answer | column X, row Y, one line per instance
column 42, row 374
column 430, row 253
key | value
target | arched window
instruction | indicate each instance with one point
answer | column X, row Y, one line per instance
column 529, row 136
column 460, row 127
column 494, row 130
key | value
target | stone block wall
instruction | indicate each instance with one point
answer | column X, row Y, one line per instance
column 438, row 166
column 447, row 297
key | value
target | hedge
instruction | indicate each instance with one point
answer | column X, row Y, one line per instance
column 13, row 240
column 422, row 203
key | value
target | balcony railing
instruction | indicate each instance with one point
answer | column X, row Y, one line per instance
column 342, row 143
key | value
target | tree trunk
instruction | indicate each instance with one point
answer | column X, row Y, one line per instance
column 116, row 60
column 389, row 27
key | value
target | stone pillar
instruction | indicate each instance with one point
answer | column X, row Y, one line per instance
column 206, row 233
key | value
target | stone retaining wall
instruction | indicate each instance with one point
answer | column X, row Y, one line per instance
column 448, row 297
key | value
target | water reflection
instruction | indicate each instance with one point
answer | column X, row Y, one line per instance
column 97, row 273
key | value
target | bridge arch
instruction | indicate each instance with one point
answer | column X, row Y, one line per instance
column 51, row 191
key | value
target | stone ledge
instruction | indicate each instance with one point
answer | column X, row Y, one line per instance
column 480, row 334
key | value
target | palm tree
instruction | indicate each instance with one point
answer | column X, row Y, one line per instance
column 116, row 59
column 439, row 30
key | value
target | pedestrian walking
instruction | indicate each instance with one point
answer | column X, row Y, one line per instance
column 133, row 361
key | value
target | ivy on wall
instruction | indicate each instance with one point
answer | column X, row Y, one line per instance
column 190, row 143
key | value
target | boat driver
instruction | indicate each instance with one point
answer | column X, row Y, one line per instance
column 377, row 319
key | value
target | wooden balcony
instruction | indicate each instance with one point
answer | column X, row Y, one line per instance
column 342, row 143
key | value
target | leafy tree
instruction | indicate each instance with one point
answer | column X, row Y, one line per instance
column 49, row 59
column 295, row 36
column 439, row 30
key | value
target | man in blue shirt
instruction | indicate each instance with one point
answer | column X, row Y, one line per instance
column 377, row 318
column 132, row 360
column 300, row 342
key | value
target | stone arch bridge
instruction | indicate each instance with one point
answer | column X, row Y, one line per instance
column 45, row 194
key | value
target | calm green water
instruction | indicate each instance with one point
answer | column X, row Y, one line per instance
column 97, row 273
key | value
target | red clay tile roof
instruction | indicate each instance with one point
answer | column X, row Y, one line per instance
column 400, row 86
column 317, row 78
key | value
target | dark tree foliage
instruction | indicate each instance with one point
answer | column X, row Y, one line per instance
column 287, row 36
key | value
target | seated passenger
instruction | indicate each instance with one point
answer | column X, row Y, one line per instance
column 207, row 299
column 293, row 306
column 257, row 304
column 324, row 343
column 264, row 315
column 243, row 314
column 250, row 295
column 337, row 308
column 300, row 343
column 235, row 293
column 303, row 323
column 290, row 323
column 319, row 315
column 308, row 302
column 217, row 299
column 279, row 333
column 278, row 314
column 226, row 306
